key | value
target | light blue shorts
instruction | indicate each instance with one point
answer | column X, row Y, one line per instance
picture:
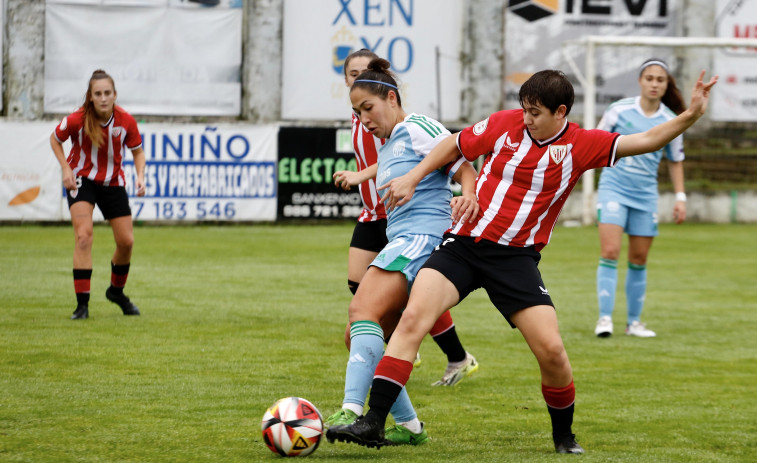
column 635, row 222
column 406, row 254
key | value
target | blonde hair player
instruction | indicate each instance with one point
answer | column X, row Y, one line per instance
column 100, row 131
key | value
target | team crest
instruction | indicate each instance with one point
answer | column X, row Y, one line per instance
column 558, row 152
column 116, row 132
column 342, row 46
column 479, row 128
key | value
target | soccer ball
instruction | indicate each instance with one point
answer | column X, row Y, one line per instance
column 292, row 427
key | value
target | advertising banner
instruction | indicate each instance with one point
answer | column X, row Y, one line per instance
column 206, row 173
column 166, row 57
column 30, row 177
column 736, row 96
column 319, row 34
column 308, row 157
column 536, row 29
column 194, row 173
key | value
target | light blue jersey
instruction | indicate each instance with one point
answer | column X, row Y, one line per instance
column 428, row 212
column 634, row 178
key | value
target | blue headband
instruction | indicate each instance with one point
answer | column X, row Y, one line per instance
column 376, row 82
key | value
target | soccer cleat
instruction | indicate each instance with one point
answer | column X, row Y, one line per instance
column 638, row 329
column 127, row 307
column 604, row 327
column 365, row 431
column 400, row 435
column 417, row 361
column 454, row 375
column 81, row 312
column 566, row 443
column 341, row 417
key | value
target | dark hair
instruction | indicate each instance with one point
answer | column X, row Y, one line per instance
column 91, row 125
column 550, row 88
column 672, row 97
column 378, row 71
column 362, row 53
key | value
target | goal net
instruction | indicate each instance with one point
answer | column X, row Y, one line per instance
column 721, row 149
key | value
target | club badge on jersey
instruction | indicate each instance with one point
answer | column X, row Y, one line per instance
column 558, row 152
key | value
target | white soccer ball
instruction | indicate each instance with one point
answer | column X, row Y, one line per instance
column 292, row 427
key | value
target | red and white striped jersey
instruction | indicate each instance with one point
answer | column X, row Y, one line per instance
column 524, row 183
column 366, row 148
column 102, row 165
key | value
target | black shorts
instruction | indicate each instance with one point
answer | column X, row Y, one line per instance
column 113, row 201
column 509, row 275
column 370, row 236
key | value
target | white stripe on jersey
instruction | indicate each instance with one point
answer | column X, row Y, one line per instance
column 111, row 157
column 82, row 157
column 537, row 184
column 567, row 170
column 507, row 180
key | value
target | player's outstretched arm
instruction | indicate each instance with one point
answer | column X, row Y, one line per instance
column 398, row 191
column 659, row 136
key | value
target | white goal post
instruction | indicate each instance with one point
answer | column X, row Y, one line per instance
column 587, row 79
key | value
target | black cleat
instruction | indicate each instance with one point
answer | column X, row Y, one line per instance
column 566, row 443
column 365, row 431
column 127, row 307
column 81, row 312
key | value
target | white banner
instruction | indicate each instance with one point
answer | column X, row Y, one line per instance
column 736, row 96
column 30, row 177
column 167, row 58
column 319, row 34
column 536, row 29
column 194, row 173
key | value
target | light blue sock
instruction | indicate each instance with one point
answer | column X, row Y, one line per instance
column 403, row 410
column 636, row 290
column 607, row 282
column 366, row 349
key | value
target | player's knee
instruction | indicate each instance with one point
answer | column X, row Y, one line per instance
column 353, row 286
column 84, row 240
column 553, row 357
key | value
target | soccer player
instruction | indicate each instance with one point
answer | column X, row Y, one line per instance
column 100, row 132
column 627, row 195
column 369, row 235
column 412, row 231
column 534, row 157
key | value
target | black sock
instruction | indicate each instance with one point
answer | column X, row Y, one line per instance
column 562, row 420
column 383, row 395
column 82, row 279
column 450, row 344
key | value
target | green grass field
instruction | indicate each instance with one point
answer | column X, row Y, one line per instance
column 236, row 317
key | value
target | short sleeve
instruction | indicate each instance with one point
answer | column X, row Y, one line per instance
column 61, row 131
column 133, row 137
column 479, row 139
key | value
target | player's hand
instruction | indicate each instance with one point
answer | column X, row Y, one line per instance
column 141, row 187
column 679, row 212
column 700, row 95
column 464, row 208
column 345, row 179
column 397, row 192
column 69, row 181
